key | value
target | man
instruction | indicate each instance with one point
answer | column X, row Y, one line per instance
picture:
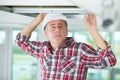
column 61, row 58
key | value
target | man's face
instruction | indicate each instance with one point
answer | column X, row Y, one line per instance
column 56, row 31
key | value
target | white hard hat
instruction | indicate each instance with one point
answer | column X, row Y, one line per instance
column 50, row 17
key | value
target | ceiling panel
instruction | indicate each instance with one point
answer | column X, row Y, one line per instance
column 70, row 8
column 36, row 3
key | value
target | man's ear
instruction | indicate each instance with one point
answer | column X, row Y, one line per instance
column 45, row 32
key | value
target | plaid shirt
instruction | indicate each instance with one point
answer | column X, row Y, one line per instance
column 69, row 62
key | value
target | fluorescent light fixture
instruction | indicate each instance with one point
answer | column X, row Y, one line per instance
column 48, row 10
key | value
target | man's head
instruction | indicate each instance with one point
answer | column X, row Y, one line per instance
column 50, row 17
column 55, row 27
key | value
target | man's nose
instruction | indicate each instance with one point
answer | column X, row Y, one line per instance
column 57, row 28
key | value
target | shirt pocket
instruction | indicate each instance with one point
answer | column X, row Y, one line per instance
column 68, row 64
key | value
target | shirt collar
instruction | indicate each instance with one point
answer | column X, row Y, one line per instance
column 69, row 42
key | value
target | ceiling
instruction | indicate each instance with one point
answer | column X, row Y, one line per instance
column 20, row 13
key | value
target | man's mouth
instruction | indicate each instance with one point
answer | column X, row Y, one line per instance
column 58, row 36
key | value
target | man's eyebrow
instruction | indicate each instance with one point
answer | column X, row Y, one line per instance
column 60, row 23
column 52, row 24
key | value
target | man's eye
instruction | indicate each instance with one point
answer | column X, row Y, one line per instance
column 52, row 26
column 60, row 25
